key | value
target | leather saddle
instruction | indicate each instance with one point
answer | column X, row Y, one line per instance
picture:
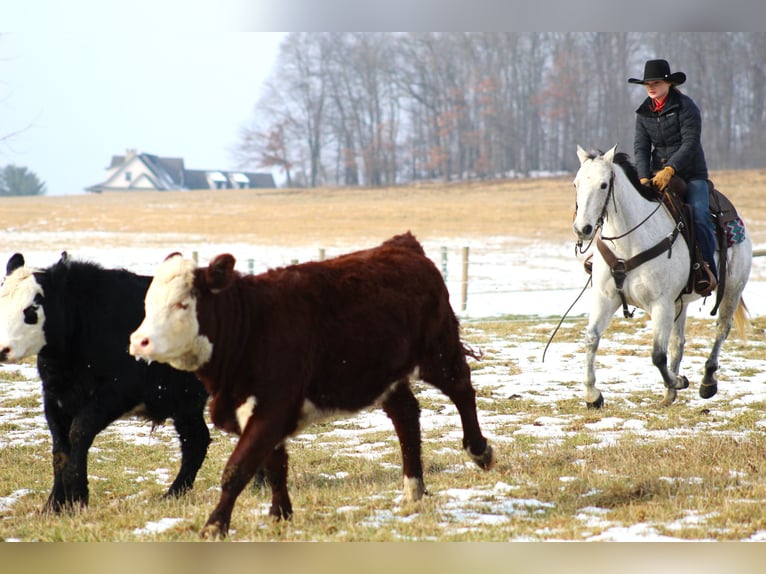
column 722, row 212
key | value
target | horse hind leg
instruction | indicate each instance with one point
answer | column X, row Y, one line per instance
column 727, row 313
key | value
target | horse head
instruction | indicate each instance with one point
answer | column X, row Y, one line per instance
column 593, row 186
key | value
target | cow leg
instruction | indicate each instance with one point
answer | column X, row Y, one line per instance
column 452, row 376
column 195, row 438
column 90, row 421
column 275, row 469
column 403, row 409
column 256, row 446
column 59, row 424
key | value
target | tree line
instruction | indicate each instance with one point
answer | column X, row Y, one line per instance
column 19, row 180
column 378, row 109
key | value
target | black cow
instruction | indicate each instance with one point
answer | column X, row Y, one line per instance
column 77, row 317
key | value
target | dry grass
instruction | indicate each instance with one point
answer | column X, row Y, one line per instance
column 540, row 208
column 697, row 475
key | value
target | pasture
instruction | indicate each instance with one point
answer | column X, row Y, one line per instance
column 631, row 471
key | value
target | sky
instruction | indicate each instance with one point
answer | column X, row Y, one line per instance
column 83, row 80
column 70, row 100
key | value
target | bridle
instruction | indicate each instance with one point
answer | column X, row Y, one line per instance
column 621, row 267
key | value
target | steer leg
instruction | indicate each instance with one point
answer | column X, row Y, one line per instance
column 195, row 438
column 256, row 447
column 275, row 469
column 59, row 424
column 403, row 409
column 449, row 372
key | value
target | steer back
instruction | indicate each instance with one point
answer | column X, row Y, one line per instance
column 320, row 326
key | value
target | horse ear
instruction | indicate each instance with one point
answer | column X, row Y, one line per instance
column 582, row 154
column 609, row 156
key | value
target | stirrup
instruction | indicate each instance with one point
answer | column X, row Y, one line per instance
column 704, row 280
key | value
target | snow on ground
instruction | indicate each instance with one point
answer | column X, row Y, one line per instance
column 507, row 276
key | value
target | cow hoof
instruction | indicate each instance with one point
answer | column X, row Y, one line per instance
column 413, row 489
column 486, row 460
column 597, row 404
column 708, row 390
column 213, row 532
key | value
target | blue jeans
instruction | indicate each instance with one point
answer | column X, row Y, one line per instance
column 698, row 199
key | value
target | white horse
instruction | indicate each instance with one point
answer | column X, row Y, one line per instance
column 609, row 202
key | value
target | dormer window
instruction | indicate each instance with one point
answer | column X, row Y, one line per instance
column 128, row 176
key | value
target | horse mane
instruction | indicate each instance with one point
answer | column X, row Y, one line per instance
column 647, row 192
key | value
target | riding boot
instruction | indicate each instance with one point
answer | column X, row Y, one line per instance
column 697, row 196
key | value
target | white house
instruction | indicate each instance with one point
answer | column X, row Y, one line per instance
column 147, row 172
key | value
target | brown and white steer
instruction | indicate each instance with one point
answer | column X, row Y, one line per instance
column 283, row 349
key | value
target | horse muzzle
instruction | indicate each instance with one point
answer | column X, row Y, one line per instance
column 584, row 233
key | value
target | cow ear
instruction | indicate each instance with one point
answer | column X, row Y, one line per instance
column 220, row 273
column 16, row 261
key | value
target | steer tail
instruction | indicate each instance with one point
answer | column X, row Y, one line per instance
column 741, row 321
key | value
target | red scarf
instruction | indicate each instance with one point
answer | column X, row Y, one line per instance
column 657, row 105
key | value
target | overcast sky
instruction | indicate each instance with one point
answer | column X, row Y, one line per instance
column 83, row 80
column 77, row 99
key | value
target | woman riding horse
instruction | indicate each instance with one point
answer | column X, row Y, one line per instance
column 667, row 143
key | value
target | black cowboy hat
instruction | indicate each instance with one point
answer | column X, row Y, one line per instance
column 659, row 70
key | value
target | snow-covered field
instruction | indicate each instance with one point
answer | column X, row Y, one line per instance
column 507, row 276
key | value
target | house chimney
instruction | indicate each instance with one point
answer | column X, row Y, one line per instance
column 130, row 153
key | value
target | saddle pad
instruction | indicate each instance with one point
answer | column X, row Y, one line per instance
column 735, row 231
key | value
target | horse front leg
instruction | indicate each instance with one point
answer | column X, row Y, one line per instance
column 662, row 326
column 678, row 340
column 598, row 321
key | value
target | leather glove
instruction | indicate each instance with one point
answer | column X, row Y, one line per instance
column 661, row 179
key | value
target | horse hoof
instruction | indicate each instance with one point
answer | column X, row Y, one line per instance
column 670, row 398
column 682, row 382
column 597, row 404
column 707, row 391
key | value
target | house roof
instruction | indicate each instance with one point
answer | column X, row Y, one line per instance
column 168, row 173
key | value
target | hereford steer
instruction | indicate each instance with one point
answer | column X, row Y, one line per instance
column 280, row 350
column 77, row 318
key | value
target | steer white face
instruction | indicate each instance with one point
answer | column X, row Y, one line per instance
column 170, row 330
column 21, row 315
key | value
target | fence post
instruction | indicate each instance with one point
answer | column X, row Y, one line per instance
column 195, row 256
column 444, row 262
column 322, row 254
column 464, row 285
column 251, row 266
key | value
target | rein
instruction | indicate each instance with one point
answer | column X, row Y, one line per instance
column 621, row 267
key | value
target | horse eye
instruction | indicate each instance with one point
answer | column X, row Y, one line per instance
column 604, row 185
column 181, row 305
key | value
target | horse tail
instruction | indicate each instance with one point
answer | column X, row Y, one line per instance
column 741, row 321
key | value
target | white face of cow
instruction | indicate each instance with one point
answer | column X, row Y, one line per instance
column 21, row 315
column 170, row 330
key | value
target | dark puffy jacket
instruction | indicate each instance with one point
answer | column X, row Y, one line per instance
column 671, row 137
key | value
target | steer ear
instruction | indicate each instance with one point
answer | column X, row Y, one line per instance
column 174, row 254
column 16, row 261
column 220, row 273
